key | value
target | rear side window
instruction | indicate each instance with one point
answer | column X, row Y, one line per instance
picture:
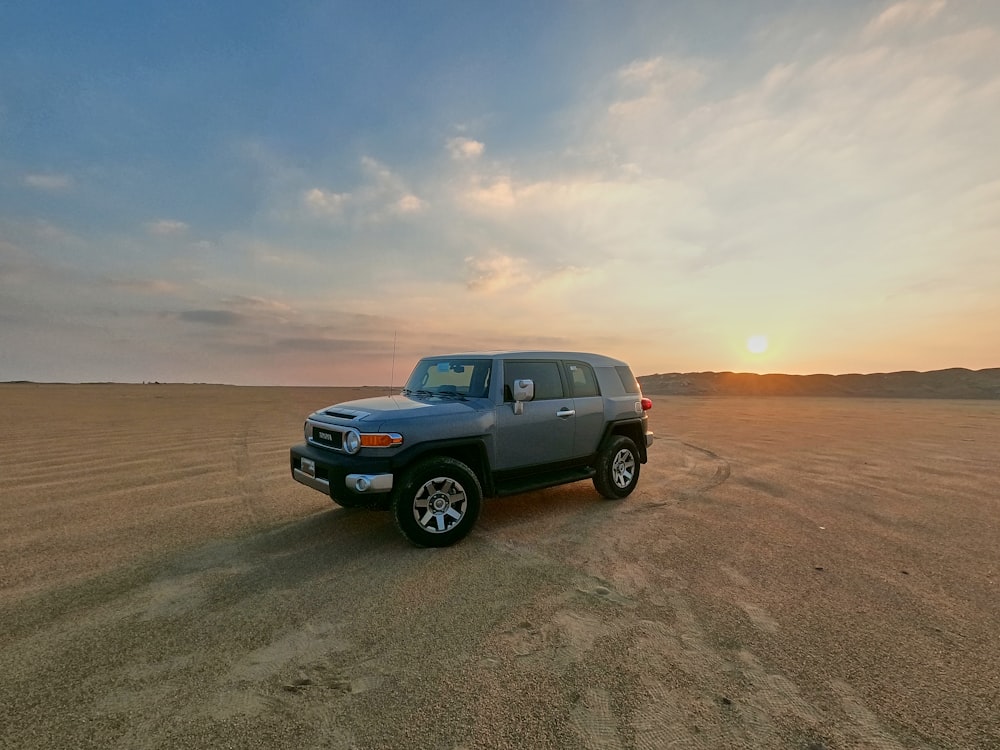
column 629, row 382
column 548, row 383
column 582, row 380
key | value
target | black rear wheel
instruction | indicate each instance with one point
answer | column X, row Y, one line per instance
column 617, row 468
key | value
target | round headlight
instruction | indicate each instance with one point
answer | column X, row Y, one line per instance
column 352, row 441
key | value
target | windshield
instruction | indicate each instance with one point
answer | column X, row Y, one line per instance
column 458, row 378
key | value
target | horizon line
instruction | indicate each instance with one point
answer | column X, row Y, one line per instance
column 388, row 387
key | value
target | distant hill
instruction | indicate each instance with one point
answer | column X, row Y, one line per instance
column 957, row 382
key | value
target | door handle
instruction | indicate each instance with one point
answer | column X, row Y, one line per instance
column 564, row 412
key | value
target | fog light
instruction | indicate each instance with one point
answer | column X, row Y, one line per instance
column 362, row 484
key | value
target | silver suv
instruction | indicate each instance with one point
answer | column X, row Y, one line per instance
column 474, row 425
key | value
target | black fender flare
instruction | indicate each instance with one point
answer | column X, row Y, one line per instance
column 631, row 428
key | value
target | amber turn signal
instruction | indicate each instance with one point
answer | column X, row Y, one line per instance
column 381, row 439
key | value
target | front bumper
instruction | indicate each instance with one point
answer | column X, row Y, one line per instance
column 322, row 485
column 355, row 475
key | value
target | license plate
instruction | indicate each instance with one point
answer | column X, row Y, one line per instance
column 309, row 467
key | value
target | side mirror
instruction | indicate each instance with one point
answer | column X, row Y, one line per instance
column 523, row 390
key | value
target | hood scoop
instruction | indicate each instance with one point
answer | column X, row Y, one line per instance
column 342, row 414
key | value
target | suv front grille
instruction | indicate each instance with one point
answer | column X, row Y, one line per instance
column 328, row 438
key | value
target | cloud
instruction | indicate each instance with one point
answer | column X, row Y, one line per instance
column 705, row 186
column 143, row 286
column 36, row 276
column 465, row 148
column 496, row 272
column 498, row 193
column 662, row 74
column 382, row 194
column 49, row 232
column 212, row 317
column 855, row 120
column 586, row 220
column 51, row 182
column 324, row 202
column 656, row 82
column 339, row 346
column 257, row 304
column 410, row 204
column 166, row 228
column 387, row 190
column 906, row 13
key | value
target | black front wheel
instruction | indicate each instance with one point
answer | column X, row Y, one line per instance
column 437, row 502
column 617, row 468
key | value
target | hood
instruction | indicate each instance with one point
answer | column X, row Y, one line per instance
column 369, row 410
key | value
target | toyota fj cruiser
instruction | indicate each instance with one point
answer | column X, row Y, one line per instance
column 468, row 426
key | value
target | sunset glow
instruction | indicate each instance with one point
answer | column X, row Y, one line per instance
column 350, row 180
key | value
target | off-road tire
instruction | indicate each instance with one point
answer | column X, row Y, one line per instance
column 437, row 502
column 617, row 468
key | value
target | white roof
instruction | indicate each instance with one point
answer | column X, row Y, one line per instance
column 590, row 358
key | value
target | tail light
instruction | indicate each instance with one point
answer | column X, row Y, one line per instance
column 647, row 404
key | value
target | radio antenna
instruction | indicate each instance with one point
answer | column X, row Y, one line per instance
column 392, row 371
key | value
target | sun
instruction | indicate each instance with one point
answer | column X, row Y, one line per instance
column 757, row 344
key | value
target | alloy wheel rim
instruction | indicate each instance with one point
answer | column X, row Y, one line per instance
column 439, row 505
column 623, row 468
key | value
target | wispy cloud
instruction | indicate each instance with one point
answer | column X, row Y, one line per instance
column 658, row 79
column 258, row 304
column 387, row 191
column 410, row 204
column 325, row 202
column 906, row 13
column 50, row 182
column 465, row 148
column 381, row 195
column 167, row 227
column 329, row 346
column 491, row 194
column 496, row 272
column 143, row 286
column 33, row 276
column 212, row 317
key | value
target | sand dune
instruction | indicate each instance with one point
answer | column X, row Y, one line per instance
column 953, row 383
column 791, row 573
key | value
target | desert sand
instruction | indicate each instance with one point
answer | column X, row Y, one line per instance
column 800, row 573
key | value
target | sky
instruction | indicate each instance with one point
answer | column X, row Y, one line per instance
column 319, row 193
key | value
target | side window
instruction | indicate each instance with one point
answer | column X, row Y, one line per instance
column 582, row 380
column 548, row 383
column 628, row 379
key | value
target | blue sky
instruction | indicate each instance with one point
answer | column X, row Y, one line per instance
column 272, row 193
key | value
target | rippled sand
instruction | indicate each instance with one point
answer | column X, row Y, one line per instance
column 791, row 573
